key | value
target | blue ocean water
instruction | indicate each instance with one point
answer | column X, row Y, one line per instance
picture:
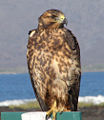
column 18, row 86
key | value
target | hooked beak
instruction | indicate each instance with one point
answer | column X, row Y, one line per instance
column 65, row 21
column 62, row 19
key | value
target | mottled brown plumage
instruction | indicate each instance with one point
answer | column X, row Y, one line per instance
column 53, row 57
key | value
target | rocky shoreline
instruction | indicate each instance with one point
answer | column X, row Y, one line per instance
column 88, row 113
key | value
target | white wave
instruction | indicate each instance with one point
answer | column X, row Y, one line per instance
column 87, row 99
column 15, row 102
column 92, row 99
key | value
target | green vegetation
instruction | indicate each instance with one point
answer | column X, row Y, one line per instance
column 83, row 104
column 28, row 105
column 35, row 105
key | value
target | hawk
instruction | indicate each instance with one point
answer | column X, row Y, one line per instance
column 53, row 57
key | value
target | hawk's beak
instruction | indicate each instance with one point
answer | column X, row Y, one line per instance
column 65, row 21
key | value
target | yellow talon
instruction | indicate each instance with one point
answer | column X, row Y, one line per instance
column 52, row 111
column 54, row 115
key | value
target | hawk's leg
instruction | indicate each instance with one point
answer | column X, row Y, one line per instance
column 53, row 111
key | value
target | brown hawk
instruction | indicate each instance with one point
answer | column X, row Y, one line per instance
column 53, row 57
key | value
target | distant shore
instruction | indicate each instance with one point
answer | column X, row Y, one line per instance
column 22, row 72
column 13, row 72
column 25, row 72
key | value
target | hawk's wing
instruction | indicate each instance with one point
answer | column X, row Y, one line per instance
column 75, row 69
column 30, row 62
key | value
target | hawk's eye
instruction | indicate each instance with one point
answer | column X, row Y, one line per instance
column 53, row 16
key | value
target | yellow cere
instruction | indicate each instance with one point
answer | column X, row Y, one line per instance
column 62, row 17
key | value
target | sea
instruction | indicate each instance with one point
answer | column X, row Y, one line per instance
column 17, row 89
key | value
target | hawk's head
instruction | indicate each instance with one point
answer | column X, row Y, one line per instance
column 52, row 19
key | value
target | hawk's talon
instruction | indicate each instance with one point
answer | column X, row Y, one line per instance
column 61, row 112
column 47, row 117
